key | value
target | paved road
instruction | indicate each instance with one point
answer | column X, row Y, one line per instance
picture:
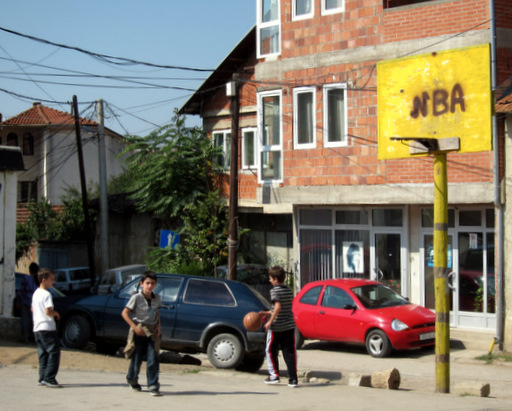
column 209, row 389
column 86, row 390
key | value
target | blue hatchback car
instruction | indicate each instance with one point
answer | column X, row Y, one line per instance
column 198, row 314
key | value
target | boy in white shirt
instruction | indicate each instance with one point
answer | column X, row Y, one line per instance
column 45, row 330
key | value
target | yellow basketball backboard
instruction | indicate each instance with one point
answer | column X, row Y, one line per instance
column 435, row 96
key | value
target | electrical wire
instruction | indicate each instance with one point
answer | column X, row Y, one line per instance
column 106, row 57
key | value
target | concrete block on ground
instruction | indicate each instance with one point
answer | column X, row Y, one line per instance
column 316, row 380
column 477, row 389
column 358, row 380
column 306, row 375
column 387, row 379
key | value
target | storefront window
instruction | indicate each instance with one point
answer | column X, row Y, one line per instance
column 351, row 217
column 315, row 217
column 470, row 218
column 489, row 218
column 315, row 255
column 382, row 217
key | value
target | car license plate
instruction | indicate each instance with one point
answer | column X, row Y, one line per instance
column 427, row 336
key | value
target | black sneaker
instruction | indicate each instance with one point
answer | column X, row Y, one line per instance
column 136, row 387
column 155, row 393
column 293, row 383
column 41, row 383
column 269, row 380
column 52, row 384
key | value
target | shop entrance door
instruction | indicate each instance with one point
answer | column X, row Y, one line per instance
column 388, row 260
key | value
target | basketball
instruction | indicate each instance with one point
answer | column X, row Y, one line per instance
column 252, row 321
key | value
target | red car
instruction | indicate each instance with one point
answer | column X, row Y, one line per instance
column 362, row 312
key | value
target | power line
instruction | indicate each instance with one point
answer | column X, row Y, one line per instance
column 142, row 85
column 105, row 57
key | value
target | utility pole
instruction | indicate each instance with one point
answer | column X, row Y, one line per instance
column 85, row 205
column 105, row 249
column 232, row 90
column 438, row 148
column 442, row 292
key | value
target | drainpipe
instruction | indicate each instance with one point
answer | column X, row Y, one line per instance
column 46, row 143
column 497, row 191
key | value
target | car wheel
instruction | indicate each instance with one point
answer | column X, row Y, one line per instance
column 251, row 363
column 76, row 332
column 299, row 339
column 225, row 351
column 377, row 344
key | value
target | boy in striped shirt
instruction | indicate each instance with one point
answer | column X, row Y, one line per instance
column 280, row 329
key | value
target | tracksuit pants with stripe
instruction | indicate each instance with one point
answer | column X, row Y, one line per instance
column 284, row 340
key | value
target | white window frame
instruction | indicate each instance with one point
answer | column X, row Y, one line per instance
column 344, row 141
column 309, row 15
column 274, row 148
column 265, row 25
column 296, row 92
column 226, row 134
column 246, row 166
column 325, row 10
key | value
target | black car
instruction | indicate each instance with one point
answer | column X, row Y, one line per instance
column 198, row 314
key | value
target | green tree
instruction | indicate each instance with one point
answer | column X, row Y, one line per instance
column 172, row 178
column 46, row 223
column 71, row 219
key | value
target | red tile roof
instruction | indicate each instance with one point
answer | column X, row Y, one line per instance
column 504, row 105
column 23, row 213
column 42, row 115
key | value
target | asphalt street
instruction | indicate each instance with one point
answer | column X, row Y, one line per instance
column 208, row 388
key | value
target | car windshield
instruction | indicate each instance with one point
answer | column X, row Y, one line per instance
column 56, row 293
column 378, row 296
column 260, row 297
column 167, row 288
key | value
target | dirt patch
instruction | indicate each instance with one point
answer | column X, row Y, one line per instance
column 12, row 353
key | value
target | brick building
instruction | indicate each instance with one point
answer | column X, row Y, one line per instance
column 311, row 186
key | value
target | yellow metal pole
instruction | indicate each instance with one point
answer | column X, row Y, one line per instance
column 440, row 274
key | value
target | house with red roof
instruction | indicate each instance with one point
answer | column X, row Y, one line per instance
column 49, row 146
column 47, row 140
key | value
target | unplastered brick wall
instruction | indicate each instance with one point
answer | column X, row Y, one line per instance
column 358, row 26
column 426, row 20
column 461, row 168
column 503, row 12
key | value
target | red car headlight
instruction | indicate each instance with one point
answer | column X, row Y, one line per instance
column 398, row 325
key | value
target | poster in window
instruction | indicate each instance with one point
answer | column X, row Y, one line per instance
column 353, row 257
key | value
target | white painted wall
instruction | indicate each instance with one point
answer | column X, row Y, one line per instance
column 8, row 190
column 55, row 161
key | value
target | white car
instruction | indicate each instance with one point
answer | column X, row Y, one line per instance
column 114, row 278
column 73, row 280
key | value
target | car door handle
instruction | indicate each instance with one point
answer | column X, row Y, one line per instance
column 322, row 312
column 168, row 307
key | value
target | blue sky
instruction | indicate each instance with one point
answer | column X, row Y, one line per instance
column 193, row 33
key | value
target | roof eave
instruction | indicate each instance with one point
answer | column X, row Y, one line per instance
column 222, row 73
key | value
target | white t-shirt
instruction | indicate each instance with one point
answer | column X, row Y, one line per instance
column 41, row 300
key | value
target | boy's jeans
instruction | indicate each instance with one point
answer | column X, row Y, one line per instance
column 48, row 350
column 144, row 346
